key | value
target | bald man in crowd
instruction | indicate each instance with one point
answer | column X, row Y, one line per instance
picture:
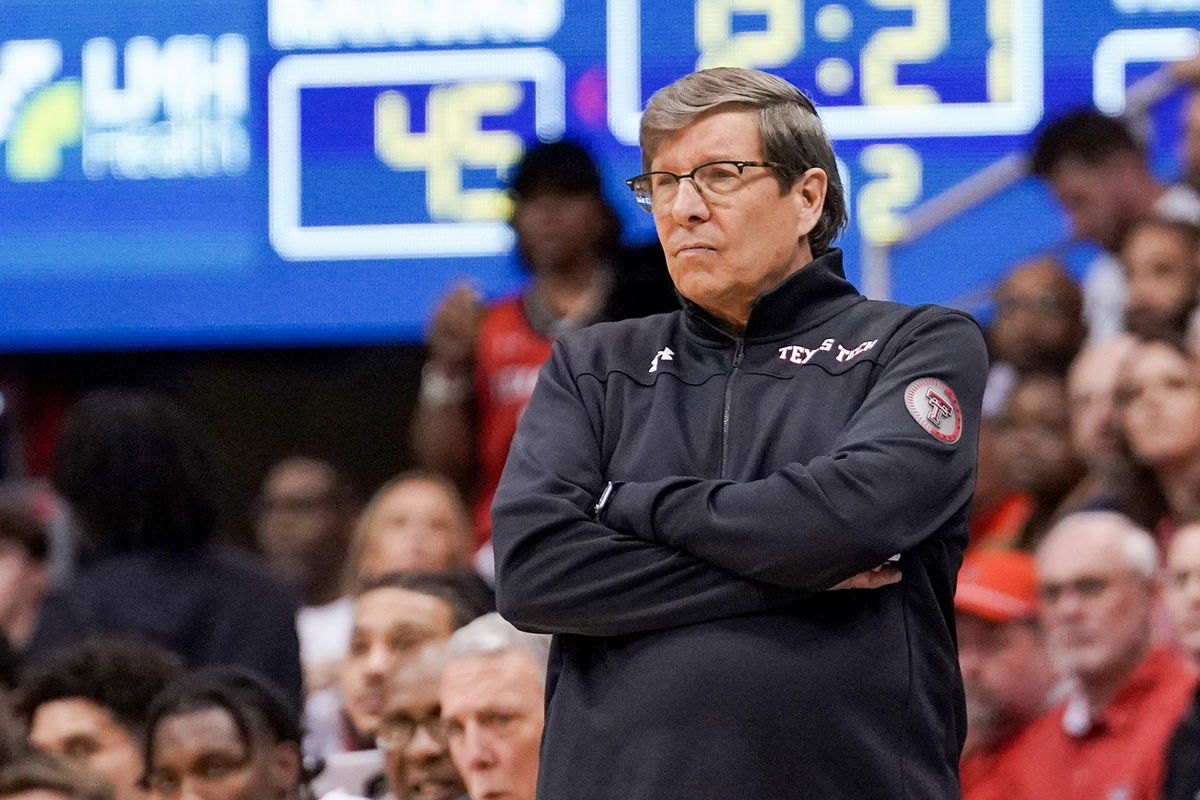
column 1097, row 581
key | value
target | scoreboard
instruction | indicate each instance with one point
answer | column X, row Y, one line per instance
column 228, row 172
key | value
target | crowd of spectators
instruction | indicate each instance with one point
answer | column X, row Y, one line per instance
column 357, row 653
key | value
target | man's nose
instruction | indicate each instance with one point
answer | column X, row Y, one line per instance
column 423, row 747
column 689, row 204
column 378, row 660
column 478, row 747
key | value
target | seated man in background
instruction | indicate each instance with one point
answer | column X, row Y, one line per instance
column 1036, row 453
column 492, row 697
column 305, row 514
column 1161, row 259
column 87, row 703
column 223, row 734
column 1097, row 170
column 1097, row 582
column 412, row 735
column 1007, row 675
column 393, row 615
column 145, row 484
column 1037, row 330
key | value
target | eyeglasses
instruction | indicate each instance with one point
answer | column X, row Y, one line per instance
column 396, row 732
column 716, row 179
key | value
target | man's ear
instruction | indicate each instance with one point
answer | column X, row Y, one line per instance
column 285, row 766
column 808, row 196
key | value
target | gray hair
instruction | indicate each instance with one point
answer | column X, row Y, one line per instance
column 491, row 633
column 791, row 132
column 1138, row 549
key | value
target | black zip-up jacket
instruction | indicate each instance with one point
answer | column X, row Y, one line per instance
column 697, row 651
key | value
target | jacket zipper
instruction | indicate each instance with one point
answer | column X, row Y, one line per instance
column 738, row 351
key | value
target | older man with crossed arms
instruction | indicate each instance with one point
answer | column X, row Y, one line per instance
column 684, row 489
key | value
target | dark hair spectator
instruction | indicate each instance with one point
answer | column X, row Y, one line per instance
column 1158, row 411
column 121, row 674
column 1084, row 134
column 250, row 701
column 87, row 703
column 38, row 776
column 256, row 729
column 139, row 472
column 141, row 476
column 456, row 590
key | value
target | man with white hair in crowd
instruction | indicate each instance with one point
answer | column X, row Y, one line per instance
column 492, row 697
column 1097, row 579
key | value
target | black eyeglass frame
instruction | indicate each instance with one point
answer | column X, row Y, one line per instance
column 646, row 202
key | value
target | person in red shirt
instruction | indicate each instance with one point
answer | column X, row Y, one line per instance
column 1107, row 740
column 1007, row 674
column 484, row 358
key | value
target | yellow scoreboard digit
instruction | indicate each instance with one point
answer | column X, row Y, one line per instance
column 454, row 140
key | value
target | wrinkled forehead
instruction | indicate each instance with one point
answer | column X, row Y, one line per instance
column 1084, row 550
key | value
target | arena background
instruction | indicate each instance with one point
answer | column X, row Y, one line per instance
column 255, row 204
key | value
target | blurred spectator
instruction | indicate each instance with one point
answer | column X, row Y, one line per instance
column 38, row 776
column 1111, row 482
column 1191, row 139
column 1097, row 171
column 416, row 522
column 24, row 577
column 393, row 615
column 1096, row 579
column 1036, row 453
column 1007, row 675
column 306, row 512
column 1161, row 258
column 143, row 483
column 1158, row 402
column 483, row 361
column 87, row 703
column 412, row 734
column 1038, row 327
column 998, row 511
column 223, row 734
column 492, row 697
column 1181, row 590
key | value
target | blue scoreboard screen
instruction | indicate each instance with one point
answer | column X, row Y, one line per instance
column 229, row 172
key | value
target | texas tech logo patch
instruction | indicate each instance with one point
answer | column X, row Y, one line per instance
column 935, row 408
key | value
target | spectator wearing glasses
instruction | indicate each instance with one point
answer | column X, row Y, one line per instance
column 1037, row 330
column 1097, row 576
column 684, row 489
column 306, row 511
column 412, row 734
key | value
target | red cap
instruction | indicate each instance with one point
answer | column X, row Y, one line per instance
column 997, row 585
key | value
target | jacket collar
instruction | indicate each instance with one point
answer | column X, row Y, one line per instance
column 807, row 297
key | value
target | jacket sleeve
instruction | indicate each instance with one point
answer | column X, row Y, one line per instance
column 885, row 485
column 560, row 571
